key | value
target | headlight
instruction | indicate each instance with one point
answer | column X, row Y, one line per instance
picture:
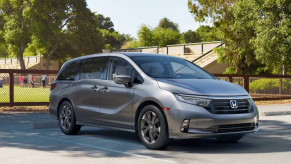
column 250, row 100
column 194, row 100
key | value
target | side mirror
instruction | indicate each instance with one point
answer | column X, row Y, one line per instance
column 122, row 79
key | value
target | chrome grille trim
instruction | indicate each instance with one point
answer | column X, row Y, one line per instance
column 222, row 106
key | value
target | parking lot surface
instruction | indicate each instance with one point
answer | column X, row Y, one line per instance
column 21, row 144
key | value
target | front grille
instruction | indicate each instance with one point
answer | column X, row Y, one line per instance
column 222, row 106
column 231, row 128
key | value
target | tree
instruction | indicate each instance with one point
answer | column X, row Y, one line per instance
column 238, row 50
column 148, row 36
column 67, row 26
column 114, row 40
column 191, row 37
column 208, row 34
column 272, row 21
column 104, row 22
column 15, row 27
column 166, row 23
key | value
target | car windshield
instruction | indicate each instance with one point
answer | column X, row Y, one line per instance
column 170, row 67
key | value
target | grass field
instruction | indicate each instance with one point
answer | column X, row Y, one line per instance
column 26, row 94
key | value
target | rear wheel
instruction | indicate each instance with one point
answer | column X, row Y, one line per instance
column 67, row 119
column 230, row 139
column 153, row 128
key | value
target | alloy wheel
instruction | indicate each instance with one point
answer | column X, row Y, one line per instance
column 150, row 127
column 66, row 117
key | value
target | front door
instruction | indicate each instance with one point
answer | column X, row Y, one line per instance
column 87, row 89
column 116, row 99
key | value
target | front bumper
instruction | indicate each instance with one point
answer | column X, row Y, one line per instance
column 201, row 120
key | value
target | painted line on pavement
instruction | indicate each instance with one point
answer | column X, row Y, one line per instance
column 95, row 147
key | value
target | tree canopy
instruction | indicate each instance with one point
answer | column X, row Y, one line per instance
column 148, row 36
column 57, row 30
column 104, row 22
column 15, row 27
column 167, row 23
column 256, row 33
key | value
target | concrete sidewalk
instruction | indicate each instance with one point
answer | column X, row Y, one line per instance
column 278, row 109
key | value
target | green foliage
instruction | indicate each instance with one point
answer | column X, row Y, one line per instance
column 148, row 36
column 167, row 23
column 191, row 37
column 3, row 51
column 256, row 33
column 131, row 44
column 63, row 29
column 104, row 22
column 114, row 40
column 269, row 86
column 163, row 37
column 208, row 34
column 15, row 27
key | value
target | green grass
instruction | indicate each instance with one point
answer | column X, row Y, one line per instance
column 26, row 94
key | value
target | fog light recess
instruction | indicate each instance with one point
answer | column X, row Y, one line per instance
column 185, row 126
column 257, row 122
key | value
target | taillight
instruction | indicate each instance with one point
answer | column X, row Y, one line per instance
column 53, row 86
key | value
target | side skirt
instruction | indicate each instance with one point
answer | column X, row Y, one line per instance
column 103, row 126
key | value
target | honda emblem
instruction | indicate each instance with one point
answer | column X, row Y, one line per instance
column 233, row 104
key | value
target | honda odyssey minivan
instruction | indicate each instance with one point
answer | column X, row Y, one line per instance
column 160, row 97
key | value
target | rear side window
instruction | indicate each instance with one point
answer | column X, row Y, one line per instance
column 94, row 68
column 70, row 72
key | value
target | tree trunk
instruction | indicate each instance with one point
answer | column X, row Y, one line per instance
column 47, row 62
column 20, row 56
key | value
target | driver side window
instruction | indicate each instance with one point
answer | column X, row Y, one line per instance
column 119, row 66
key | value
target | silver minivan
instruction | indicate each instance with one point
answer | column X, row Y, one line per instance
column 160, row 97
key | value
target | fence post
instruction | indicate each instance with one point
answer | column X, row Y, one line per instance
column 280, row 88
column 230, row 79
column 11, row 89
column 246, row 82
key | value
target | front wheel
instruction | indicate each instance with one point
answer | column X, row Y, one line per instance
column 67, row 119
column 230, row 139
column 153, row 128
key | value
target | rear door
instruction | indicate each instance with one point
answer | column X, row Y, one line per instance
column 87, row 90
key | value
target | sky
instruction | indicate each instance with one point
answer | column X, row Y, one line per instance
column 128, row 15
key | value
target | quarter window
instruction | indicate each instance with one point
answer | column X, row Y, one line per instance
column 70, row 72
column 94, row 68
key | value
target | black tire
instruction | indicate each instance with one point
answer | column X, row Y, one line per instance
column 157, row 126
column 72, row 128
column 230, row 139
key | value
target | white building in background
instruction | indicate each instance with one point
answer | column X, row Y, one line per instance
column 31, row 63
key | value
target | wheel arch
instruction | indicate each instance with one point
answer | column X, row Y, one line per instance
column 60, row 103
column 141, row 106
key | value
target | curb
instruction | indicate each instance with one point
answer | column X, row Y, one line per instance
column 44, row 125
column 279, row 113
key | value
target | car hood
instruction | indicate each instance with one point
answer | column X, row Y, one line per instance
column 206, row 87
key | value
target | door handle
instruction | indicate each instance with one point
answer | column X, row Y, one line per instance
column 94, row 88
column 105, row 89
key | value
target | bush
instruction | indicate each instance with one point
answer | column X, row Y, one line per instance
column 270, row 86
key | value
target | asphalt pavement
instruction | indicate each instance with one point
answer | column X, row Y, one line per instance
column 19, row 143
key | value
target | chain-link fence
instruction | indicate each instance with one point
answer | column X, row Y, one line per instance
column 4, row 87
column 32, row 87
column 25, row 87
